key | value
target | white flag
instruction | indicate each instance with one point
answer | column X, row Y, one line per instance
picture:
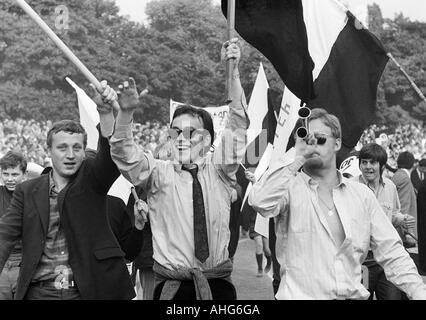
column 89, row 116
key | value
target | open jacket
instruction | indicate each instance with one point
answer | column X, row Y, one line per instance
column 95, row 256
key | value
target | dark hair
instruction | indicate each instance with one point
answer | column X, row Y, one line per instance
column 69, row 126
column 374, row 152
column 405, row 160
column 197, row 112
column 13, row 159
column 422, row 163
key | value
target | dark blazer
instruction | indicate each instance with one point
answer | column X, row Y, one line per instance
column 121, row 219
column 406, row 194
column 421, row 226
column 95, row 257
column 415, row 179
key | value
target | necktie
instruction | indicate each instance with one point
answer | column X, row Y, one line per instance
column 201, row 243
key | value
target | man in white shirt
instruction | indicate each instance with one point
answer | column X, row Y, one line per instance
column 326, row 223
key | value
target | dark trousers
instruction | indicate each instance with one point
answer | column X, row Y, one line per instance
column 38, row 292
column 377, row 283
column 221, row 290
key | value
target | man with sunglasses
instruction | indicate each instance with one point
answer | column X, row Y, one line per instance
column 326, row 223
column 190, row 197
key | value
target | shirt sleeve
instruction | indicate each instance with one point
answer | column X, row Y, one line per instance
column 136, row 165
column 390, row 254
column 231, row 149
column 269, row 196
column 397, row 216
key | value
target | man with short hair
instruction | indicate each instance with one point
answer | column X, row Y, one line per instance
column 13, row 171
column 326, row 223
column 372, row 161
column 418, row 174
column 189, row 198
column 69, row 250
column 406, row 194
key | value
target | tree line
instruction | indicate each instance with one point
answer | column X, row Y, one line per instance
column 176, row 56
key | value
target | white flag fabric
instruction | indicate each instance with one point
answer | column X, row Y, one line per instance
column 89, row 116
column 121, row 188
column 89, row 119
column 258, row 105
column 289, row 114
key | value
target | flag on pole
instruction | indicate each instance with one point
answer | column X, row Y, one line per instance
column 323, row 54
column 89, row 119
column 89, row 116
column 260, row 136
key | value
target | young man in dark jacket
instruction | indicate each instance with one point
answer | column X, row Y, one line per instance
column 13, row 168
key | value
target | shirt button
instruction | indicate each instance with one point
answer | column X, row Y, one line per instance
column 62, row 252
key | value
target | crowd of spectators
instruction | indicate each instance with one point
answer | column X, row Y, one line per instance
column 29, row 137
column 409, row 137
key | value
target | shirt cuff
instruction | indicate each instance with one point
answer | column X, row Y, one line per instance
column 123, row 131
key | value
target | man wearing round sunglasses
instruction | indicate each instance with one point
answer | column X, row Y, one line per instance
column 190, row 197
column 326, row 223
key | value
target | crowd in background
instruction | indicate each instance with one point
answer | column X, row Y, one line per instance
column 29, row 137
column 408, row 137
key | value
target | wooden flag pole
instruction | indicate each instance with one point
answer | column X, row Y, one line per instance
column 412, row 83
column 61, row 45
column 230, row 34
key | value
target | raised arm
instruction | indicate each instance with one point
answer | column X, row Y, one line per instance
column 269, row 196
column 230, row 151
column 130, row 158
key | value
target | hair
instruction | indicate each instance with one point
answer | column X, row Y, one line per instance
column 197, row 112
column 405, row 160
column 13, row 159
column 374, row 152
column 69, row 126
column 329, row 120
column 422, row 163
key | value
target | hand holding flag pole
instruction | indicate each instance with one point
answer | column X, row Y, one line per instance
column 230, row 34
column 61, row 45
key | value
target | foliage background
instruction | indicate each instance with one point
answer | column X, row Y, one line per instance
column 177, row 56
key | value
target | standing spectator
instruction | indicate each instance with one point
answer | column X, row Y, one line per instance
column 417, row 175
column 406, row 194
column 372, row 161
column 13, row 167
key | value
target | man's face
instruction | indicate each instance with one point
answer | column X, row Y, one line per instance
column 12, row 177
column 370, row 170
column 325, row 154
column 67, row 153
column 189, row 139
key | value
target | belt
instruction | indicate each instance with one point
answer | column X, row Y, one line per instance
column 55, row 284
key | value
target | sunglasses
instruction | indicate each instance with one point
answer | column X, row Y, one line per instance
column 174, row 133
column 321, row 138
